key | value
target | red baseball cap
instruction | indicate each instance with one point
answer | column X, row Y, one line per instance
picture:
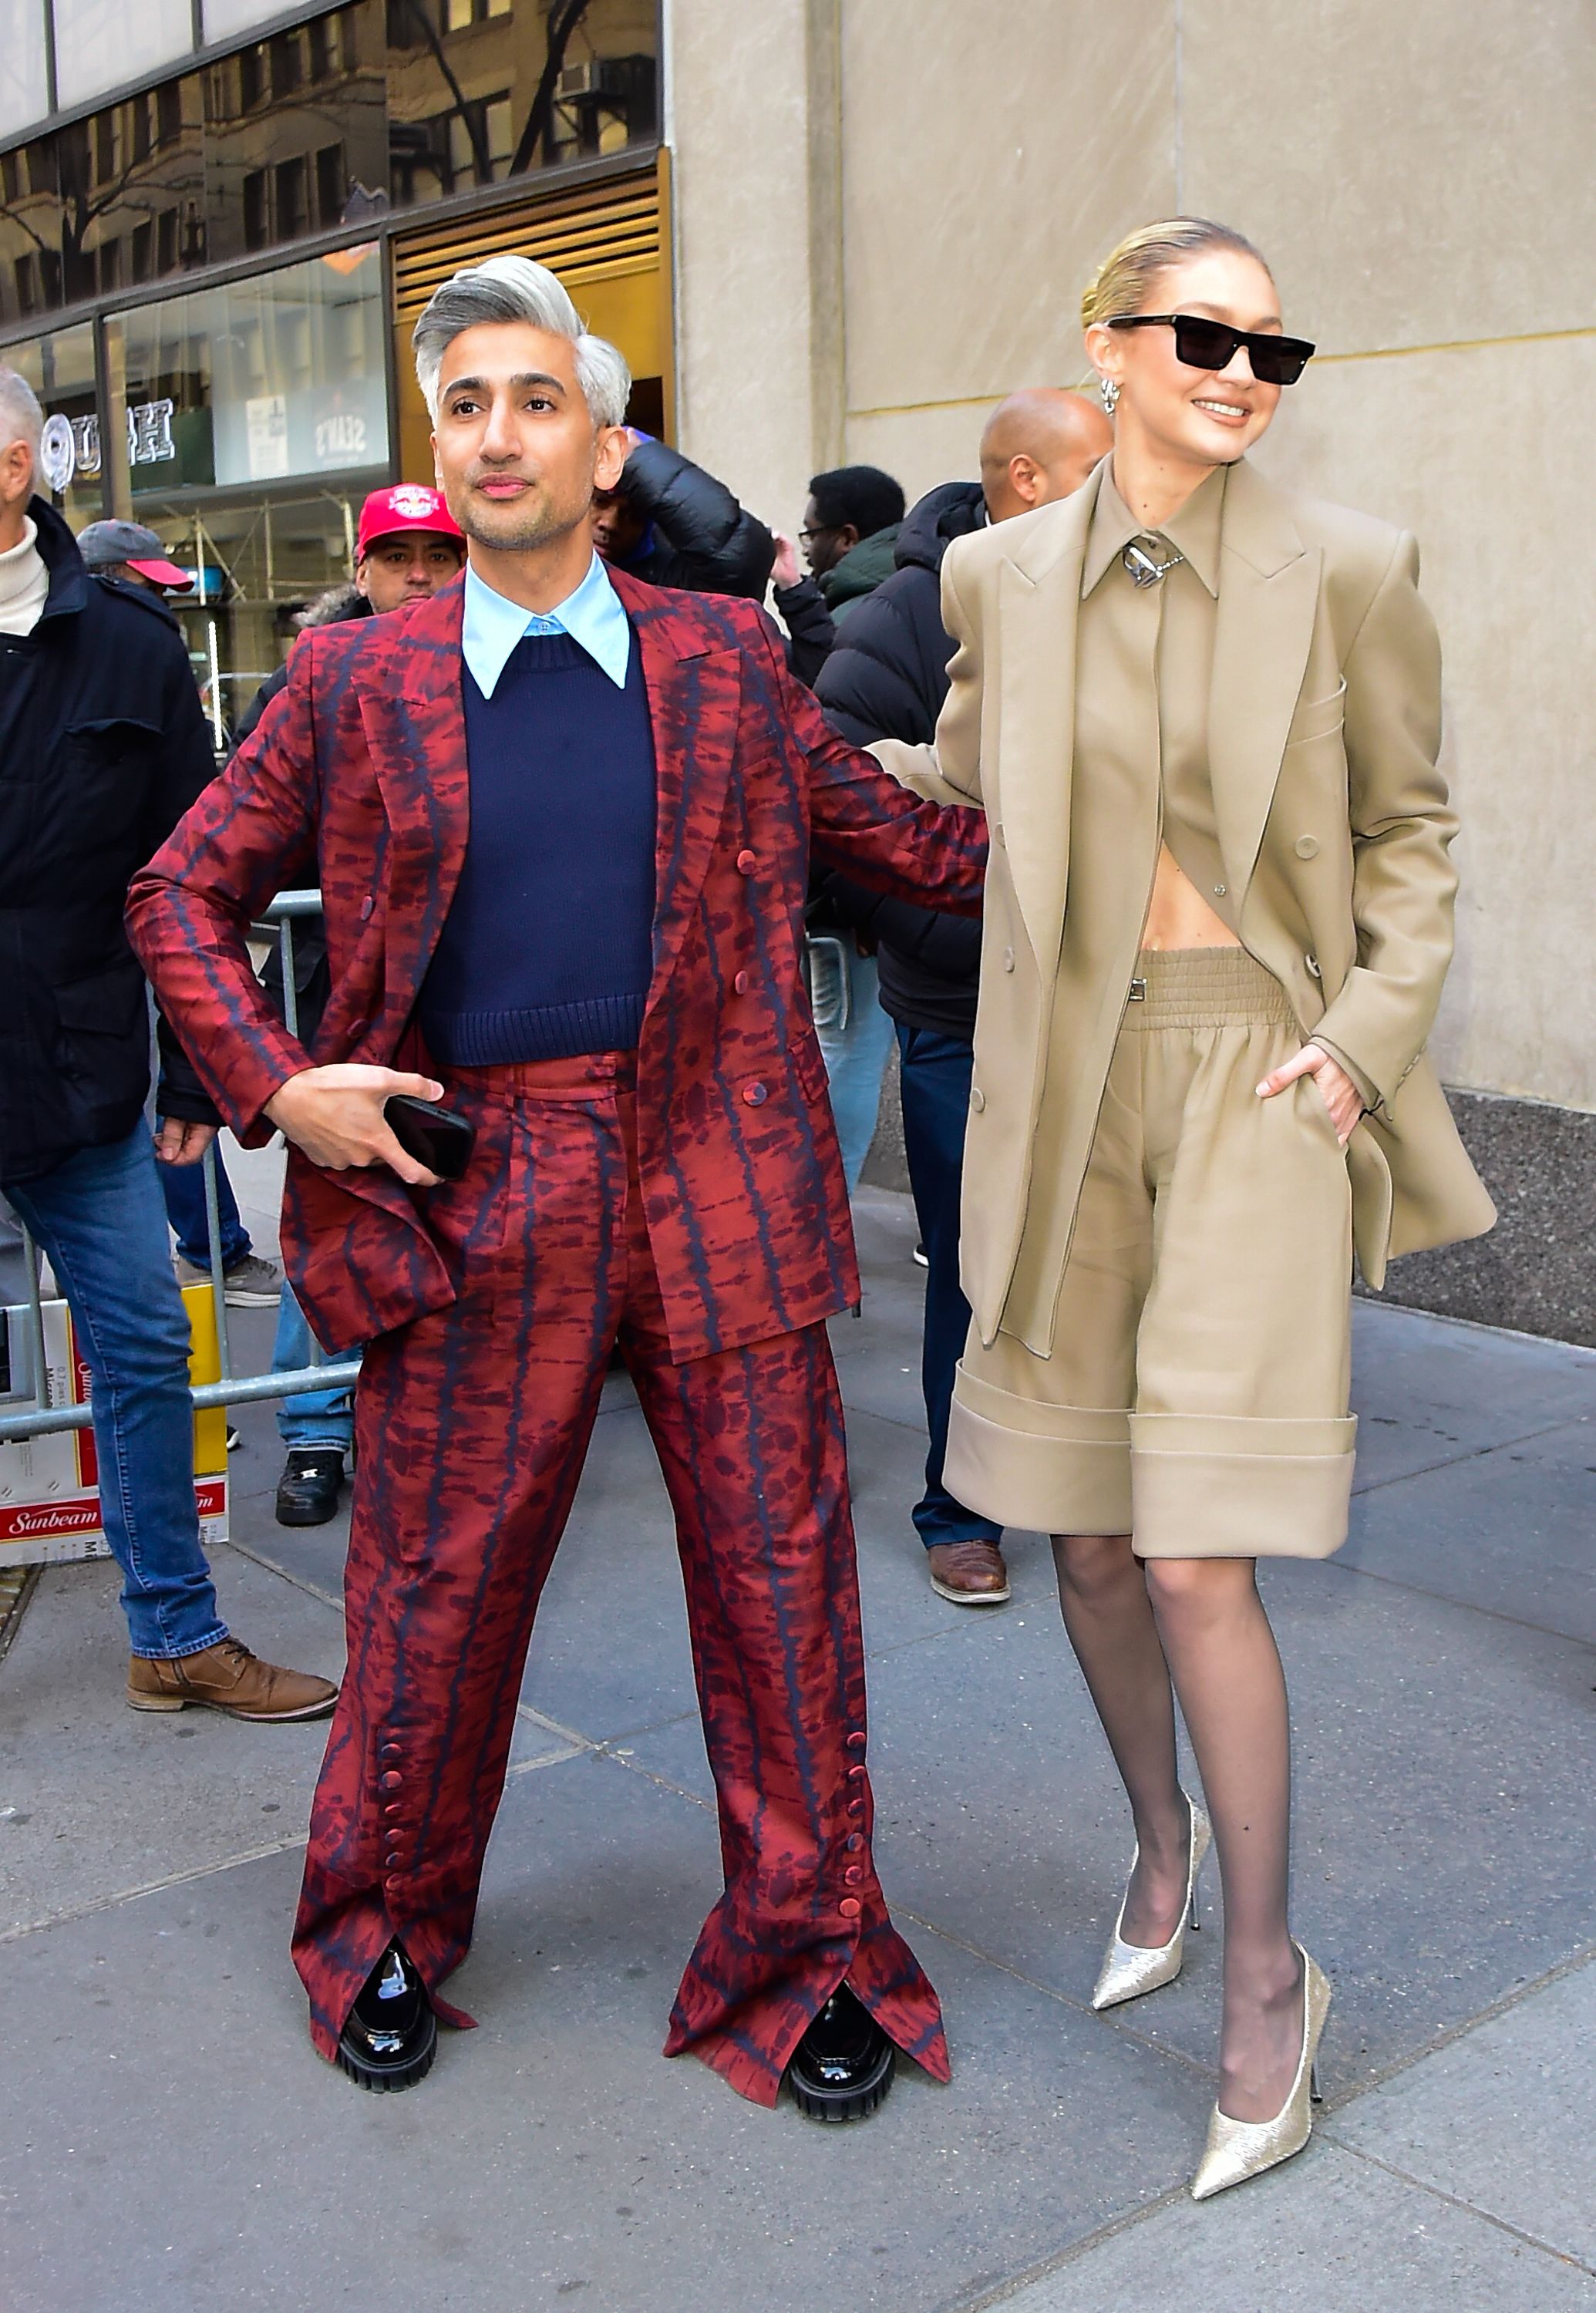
column 408, row 506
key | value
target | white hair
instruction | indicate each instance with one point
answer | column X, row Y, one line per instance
column 516, row 289
column 21, row 417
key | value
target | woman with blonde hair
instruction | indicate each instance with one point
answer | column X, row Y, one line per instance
column 1202, row 714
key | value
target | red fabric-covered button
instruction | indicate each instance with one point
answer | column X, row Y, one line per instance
column 854, row 1772
column 755, row 1094
column 393, row 1862
column 393, row 1808
column 741, row 984
column 366, row 905
column 855, row 1807
column 849, row 1907
column 392, row 1781
column 853, row 1843
column 389, row 1751
column 856, row 1741
column 747, row 861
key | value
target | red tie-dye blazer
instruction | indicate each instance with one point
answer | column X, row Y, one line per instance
column 356, row 778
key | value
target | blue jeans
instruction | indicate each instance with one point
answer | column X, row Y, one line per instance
column 183, row 1188
column 320, row 1417
column 101, row 1218
column 856, row 1055
column 934, row 1078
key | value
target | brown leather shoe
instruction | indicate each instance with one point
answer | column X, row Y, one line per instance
column 227, row 1677
column 969, row 1573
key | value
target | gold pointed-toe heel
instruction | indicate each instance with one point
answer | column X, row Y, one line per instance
column 1239, row 2148
column 1129, row 1970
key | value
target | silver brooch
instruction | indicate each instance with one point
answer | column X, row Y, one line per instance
column 1141, row 559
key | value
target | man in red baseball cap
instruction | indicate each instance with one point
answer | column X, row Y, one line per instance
column 408, row 546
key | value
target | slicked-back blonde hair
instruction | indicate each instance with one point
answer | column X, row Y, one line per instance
column 1123, row 282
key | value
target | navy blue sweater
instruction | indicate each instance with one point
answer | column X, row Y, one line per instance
column 548, row 945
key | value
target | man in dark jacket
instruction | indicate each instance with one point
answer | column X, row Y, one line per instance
column 129, row 554
column 887, row 678
column 102, row 749
column 673, row 525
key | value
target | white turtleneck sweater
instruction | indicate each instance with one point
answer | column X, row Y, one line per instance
column 25, row 582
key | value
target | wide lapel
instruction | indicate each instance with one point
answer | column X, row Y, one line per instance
column 414, row 725
column 1039, row 606
column 1263, row 632
column 694, row 689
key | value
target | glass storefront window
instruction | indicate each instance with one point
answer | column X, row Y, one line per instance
column 255, row 422
column 276, row 377
column 60, row 369
column 374, row 107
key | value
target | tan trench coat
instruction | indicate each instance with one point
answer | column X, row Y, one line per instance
column 1324, row 726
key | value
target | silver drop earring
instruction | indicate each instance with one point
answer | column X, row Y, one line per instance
column 1109, row 391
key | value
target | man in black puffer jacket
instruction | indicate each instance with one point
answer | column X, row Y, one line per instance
column 671, row 523
column 886, row 678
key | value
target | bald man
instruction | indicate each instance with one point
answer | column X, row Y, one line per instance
column 1039, row 445
column 886, row 679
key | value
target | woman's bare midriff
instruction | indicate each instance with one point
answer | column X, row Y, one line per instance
column 1177, row 915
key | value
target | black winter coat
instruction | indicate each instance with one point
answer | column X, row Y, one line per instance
column 886, row 679
column 103, row 746
column 701, row 539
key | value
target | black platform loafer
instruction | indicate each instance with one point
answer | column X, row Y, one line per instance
column 308, row 1489
column 392, row 2035
column 844, row 2062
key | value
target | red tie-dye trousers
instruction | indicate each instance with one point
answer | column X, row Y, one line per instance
column 472, row 1426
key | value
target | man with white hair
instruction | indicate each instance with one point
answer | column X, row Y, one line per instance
column 102, row 748
column 563, row 820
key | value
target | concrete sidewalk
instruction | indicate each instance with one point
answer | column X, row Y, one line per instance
column 167, row 2140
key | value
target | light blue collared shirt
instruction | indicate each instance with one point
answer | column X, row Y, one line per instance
column 592, row 616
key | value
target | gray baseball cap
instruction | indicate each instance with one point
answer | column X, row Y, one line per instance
column 105, row 544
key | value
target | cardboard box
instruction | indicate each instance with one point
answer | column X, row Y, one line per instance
column 50, row 1487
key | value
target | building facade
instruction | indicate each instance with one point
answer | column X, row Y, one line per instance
column 219, row 218
column 829, row 229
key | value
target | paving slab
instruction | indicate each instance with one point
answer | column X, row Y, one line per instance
column 1509, row 1530
column 552, row 2153
column 1326, row 2234
column 1446, row 1773
column 107, row 1798
column 1504, row 2119
column 1446, row 1755
column 1431, row 1390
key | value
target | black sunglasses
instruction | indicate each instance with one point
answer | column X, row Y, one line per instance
column 1212, row 344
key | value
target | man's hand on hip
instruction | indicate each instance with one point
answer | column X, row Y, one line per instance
column 335, row 1115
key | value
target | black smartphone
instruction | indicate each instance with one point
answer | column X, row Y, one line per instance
column 434, row 1137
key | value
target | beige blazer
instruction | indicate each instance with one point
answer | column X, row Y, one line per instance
column 1324, row 725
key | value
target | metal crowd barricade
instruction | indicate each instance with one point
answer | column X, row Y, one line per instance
column 286, row 910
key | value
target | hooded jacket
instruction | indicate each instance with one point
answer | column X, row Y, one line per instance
column 103, row 746
column 698, row 538
column 886, row 679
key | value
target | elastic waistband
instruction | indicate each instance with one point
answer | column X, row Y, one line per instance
column 1203, row 988
column 583, row 1073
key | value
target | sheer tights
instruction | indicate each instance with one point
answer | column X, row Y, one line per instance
column 1143, row 1633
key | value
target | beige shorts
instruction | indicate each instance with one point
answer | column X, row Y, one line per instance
column 1196, row 1395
